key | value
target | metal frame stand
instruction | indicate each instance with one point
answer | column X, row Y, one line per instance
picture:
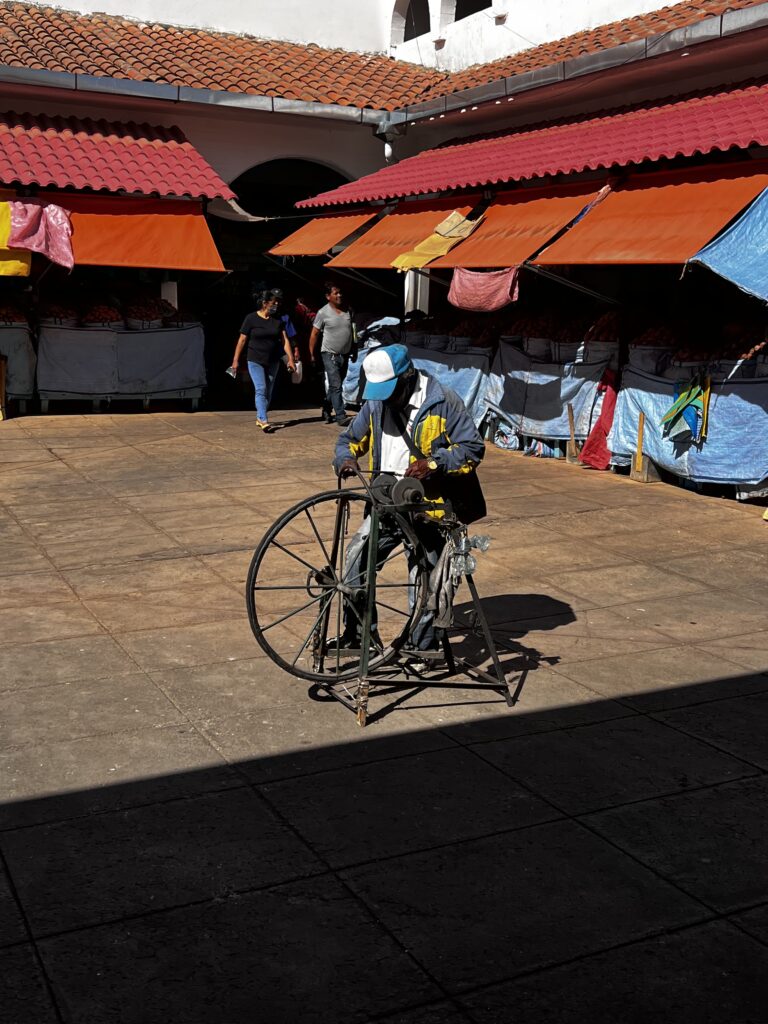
column 401, row 670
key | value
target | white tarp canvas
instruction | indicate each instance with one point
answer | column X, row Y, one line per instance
column 16, row 346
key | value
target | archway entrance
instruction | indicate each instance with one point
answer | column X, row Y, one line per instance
column 270, row 189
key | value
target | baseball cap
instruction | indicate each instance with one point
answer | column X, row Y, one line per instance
column 382, row 368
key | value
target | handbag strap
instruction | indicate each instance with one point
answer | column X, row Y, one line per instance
column 397, row 419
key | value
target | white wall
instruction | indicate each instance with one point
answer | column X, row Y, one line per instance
column 350, row 24
column 528, row 23
column 366, row 25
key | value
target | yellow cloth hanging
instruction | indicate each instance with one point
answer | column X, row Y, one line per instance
column 13, row 262
column 449, row 232
column 426, row 251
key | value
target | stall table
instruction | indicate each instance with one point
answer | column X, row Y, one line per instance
column 121, row 364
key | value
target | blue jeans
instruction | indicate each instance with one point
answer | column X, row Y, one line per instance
column 424, row 636
column 335, row 366
column 263, row 378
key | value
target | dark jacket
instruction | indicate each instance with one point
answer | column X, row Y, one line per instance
column 444, row 431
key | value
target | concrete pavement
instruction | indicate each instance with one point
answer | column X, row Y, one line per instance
column 187, row 835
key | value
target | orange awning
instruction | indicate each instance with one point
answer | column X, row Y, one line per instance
column 662, row 218
column 321, row 234
column 117, row 231
column 516, row 225
column 397, row 233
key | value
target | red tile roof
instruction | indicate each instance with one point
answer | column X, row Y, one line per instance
column 46, row 38
column 700, row 124
column 69, row 152
column 105, row 45
column 593, row 40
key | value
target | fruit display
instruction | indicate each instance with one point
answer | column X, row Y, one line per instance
column 150, row 310
column 58, row 311
column 102, row 313
column 11, row 315
column 661, row 336
column 605, row 328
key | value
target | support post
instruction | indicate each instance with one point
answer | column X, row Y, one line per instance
column 643, row 469
column 572, row 448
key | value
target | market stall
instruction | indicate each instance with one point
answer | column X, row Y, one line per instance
column 590, row 257
column 102, row 265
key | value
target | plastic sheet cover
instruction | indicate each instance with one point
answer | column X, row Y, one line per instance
column 321, row 234
column 736, row 448
column 466, row 374
column 96, row 363
column 657, row 218
column 740, row 254
column 398, row 232
column 533, row 397
column 16, row 346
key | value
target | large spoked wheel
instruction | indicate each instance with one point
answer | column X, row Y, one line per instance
column 308, row 585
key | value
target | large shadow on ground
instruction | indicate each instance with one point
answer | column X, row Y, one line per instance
column 604, row 861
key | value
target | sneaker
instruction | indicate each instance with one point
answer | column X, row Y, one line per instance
column 327, row 418
column 344, row 421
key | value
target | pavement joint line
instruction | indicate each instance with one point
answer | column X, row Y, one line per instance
column 579, row 815
column 31, row 939
column 742, row 928
column 625, row 699
column 177, row 907
column 710, row 743
column 570, row 961
column 122, row 808
column 648, row 867
column 360, row 901
column 16, row 748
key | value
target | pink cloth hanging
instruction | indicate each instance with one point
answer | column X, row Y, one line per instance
column 483, row 291
column 42, row 227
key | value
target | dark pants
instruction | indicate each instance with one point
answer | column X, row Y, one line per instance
column 423, row 635
column 335, row 366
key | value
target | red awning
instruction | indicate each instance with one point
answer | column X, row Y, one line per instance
column 397, row 233
column 516, row 225
column 702, row 124
column 661, row 218
column 123, row 231
column 321, row 234
column 66, row 152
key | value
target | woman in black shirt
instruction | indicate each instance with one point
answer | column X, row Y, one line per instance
column 267, row 341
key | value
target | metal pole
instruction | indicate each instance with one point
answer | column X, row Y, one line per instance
column 488, row 638
column 569, row 284
column 370, row 604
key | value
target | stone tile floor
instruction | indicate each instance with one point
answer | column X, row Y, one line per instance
column 187, row 835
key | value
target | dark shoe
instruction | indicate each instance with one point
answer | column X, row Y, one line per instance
column 344, row 421
column 327, row 418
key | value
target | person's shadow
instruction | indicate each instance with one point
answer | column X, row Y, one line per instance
column 509, row 617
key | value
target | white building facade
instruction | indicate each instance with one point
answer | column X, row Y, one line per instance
column 458, row 33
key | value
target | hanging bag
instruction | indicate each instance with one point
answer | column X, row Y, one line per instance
column 462, row 491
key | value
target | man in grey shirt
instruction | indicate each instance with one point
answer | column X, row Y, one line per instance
column 334, row 323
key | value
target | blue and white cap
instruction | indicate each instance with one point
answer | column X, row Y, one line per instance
column 382, row 368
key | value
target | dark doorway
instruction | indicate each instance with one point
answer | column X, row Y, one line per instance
column 416, row 19
column 466, row 7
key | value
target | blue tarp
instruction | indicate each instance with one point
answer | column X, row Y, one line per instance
column 533, row 397
column 736, row 448
column 466, row 374
column 740, row 254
